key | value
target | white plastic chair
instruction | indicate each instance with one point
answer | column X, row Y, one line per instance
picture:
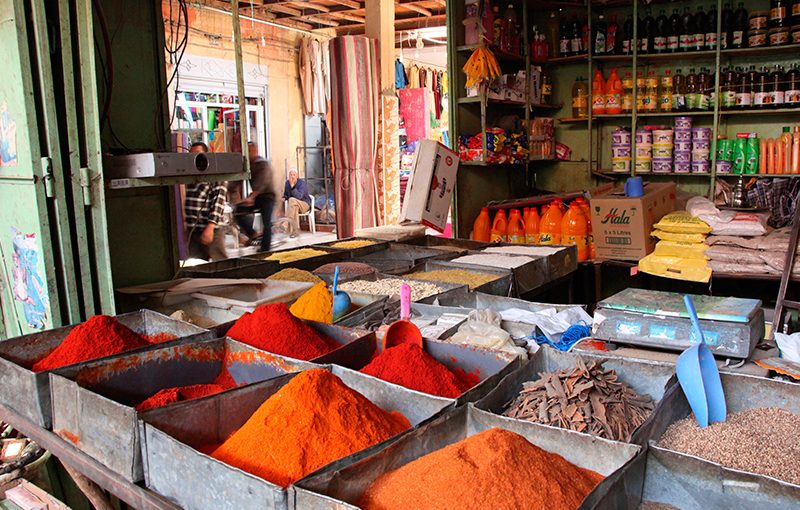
column 312, row 224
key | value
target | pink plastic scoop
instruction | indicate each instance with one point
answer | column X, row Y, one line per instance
column 403, row 331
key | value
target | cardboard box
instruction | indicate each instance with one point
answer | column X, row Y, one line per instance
column 430, row 185
column 28, row 496
column 622, row 225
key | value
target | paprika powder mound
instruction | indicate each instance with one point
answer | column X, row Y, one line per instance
column 312, row 421
column 172, row 395
column 316, row 304
column 273, row 328
column 496, row 469
column 409, row 366
column 99, row 336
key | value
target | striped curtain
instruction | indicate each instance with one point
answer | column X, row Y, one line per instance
column 355, row 111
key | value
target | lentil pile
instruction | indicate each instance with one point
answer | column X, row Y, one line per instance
column 762, row 440
column 292, row 274
column 458, row 276
column 311, row 421
column 494, row 260
column 345, row 269
column 284, row 257
column 585, row 399
column 495, row 469
column 352, row 245
column 391, row 287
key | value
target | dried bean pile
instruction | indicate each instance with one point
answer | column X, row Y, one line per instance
column 458, row 276
column 284, row 257
column 346, row 269
column 585, row 399
column 761, row 440
column 292, row 274
column 391, row 287
column 352, row 245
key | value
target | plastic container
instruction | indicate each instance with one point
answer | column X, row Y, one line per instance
column 662, row 152
column 644, row 137
column 643, row 167
column 573, row 230
column 683, row 146
column 663, row 136
column 701, row 145
column 662, row 165
column 532, row 226
column 621, row 152
column 644, row 152
column 516, row 227
column 757, row 38
column 779, row 36
column 701, row 156
column 580, row 98
column 683, row 135
column 724, row 167
column 482, row 228
column 682, row 168
column 620, row 137
column 499, row 232
column 701, row 167
column 621, row 165
column 613, row 93
column 598, row 93
column 699, row 134
column 683, row 123
column 550, row 225
column 682, row 156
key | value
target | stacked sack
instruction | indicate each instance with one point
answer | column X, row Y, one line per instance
column 764, row 254
column 681, row 250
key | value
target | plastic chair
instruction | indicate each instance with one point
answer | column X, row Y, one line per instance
column 312, row 224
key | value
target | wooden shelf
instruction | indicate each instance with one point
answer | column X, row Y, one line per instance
column 572, row 120
column 768, row 111
column 760, row 176
column 658, row 57
column 499, row 54
column 565, row 60
column 485, row 163
column 478, row 99
column 609, row 173
column 761, row 51
column 652, row 114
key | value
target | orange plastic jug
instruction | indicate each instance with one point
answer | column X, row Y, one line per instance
column 482, row 228
column 550, row 226
column 532, row 227
column 598, row 93
column 574, row 231
column 590, row 237
column 613, row 93
column 499, row 232
column 516, row 227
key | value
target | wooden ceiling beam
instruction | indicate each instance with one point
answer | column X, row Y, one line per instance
column 401, row 24
column 322, row 20
column 413, row 7
column 346, row 16
column 351, row 4
column 311, row 5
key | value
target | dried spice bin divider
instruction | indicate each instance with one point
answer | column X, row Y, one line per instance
column 176, row 469
column 690, row 482
column 340, row 485
column 28, row 392
column 231, row 268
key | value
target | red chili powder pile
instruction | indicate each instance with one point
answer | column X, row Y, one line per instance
column 495, row 469
column 409, row 366
column 160, row 338
column 311, row 421
column 100, row 336
column 224, row 381
column 273, row 328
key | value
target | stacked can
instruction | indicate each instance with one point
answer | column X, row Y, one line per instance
column 663, row 145
column 644, row 151
column 682, row 136
column 621, row 150
column 724, row 155
column 701, row 150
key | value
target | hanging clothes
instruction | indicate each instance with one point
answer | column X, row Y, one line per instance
column 318, row 102
column 413, row 76
column 423, row 77
column 437, row 96
column 326, row 71
column 355, row 94
column 306, row 75
column 400, row 80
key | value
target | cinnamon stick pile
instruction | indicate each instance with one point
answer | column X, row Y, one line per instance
column 585, row 399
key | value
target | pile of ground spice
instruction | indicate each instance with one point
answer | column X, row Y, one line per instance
column 312, row 421
column 159, row 338
column 345, row 269
column 292, row 274
column 316, row 304
column 352, row 244
column 457, row 276
column 495, row 469
column 409, row 366
column 273, row 328
column 224, row 381
column 284, row 257
column 99, row 336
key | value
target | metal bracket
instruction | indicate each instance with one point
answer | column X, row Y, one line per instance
column 85, row 182
column 47, row 177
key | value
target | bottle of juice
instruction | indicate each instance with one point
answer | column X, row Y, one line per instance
column 792, row 95
column 627, row 36
column 547, row 88
column 553, row 39
column 614, row 93
column 573, row 230
column 703, row 89
column 627, row 93
column 580, row 98
column 740, row 23
column 647, row 32
column 665, row 98
column 532, row 227
column 777, row 85
column 499, row 228
column 763, row 95
column 550, row 226
column 613, row 41
column 575, row 44
column 691, row 90
column 641, row 91
column 662, row 33
column 674, row 38
column 516, row 227
column 686, row 40
column 726, row 37
column 678, row 92
column 650, row 102
column 481, row 228
column 564, row 38
column 600, row 36
column 729, row 88
column 786, row 141
column 590, row 237
column 700, row 22
column 598, row 94
column 711, row 29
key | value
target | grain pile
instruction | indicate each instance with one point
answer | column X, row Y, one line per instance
column 345, row 269
column 761, row 440
column 458, row 276
column 292, row 274
column 585, row 399
column 284, row 257
column 391, row 287
column 494, row 260
column 352, row 245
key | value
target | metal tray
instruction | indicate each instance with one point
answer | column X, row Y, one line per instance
column 355, row 252
column 310, row 263
column 690, row 482
column 449, row 289
column 340, row 485
column 391, row 312
column 176, row 469
column 489, row 366
column 94, row 402
column 502, row 286
column 559, row 264
column 527, row 277
column 480, row 301
column 231, row 268
column 408, row 252
column 28, row 392
column 447, row 243
column 646, row 378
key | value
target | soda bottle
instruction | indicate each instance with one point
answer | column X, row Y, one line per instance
column 627, row 36
column 686, row 40
column 580, row 98
column 600, row 37
column 627, row 93
column 499, row 232
column 703, row 89
column 729, row 88
column 678, row 92
column 665, row 98
column 613, row 42
column 481, row 228
column 778, row 92
column 564, row 38
column 553, row 35
column 598, row 94
column 575, row 47
column 516, row 227
column 650, row 103
column 573, row 230
column 792, row 95
column 532, row 227
column 741, row 22
column 700, row 23
column 711, row 29
column 550, row 225
column 613, row 92
column 727, row 26
column 673, row 40
column 691, row 90
column 641, row 91
column 763, row 95
column 590, row 238
column 647, row 30
column 662, row 33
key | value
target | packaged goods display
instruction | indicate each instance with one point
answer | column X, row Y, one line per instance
column 746, row 153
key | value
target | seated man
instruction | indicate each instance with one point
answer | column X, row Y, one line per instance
column 260, row 200
column 296, row 193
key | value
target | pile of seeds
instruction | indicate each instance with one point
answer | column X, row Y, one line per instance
column 345, row 269
column 494, row 260
column 762, row 440
column 284, row 257
column 458, row 276
column 391, row 287
column 352, row 245
column 585, row 399
column 295, row 275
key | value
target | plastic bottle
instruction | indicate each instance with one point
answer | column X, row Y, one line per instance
column 662, row 33
column 795, row 12
column 650, row 102
column 762, row 159
column 796, row 150
column 729, row 88
column 674, row 37
column 792, row 81
column 499, row 228
column 585, row 36
column 777, row 87
column 575, row 44
column 691, row 90
column 499, row 32
column 532, row 227
column 550, row 225
column 700, row 23
column 573, row 230
column 598, row 94
column 590, row 236
column 763, row 97
column 564, row 38
column 516, row 227
column 600, row 36
column 613, row 91
column 647, row 33
column 641, row 91
column 580, row 98
column 547, row 89
column 786, row 142
column 627, row 93
column 743, row 98
column 740, row 23
column 678, row 92
column 771, row 159
column 780, row 156
column 686, row 40
column 727, row 26
column 481, row 228
column 779, row 13
column 665, row 97
column 711, row 29
column 553, row 37
column 753, row 76
column 627, row 36
column 703, row 89
column 613, row 42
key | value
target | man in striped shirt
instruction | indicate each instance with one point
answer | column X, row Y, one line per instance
column 203, row 209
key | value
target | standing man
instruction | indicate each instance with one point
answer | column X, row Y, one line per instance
column 299, row 201
column 203, row 208
column 262, row 199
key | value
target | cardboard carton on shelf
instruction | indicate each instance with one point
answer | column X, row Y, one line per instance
column 622, row 225
column 430, row 185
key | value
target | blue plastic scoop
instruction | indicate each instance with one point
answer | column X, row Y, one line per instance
column 341, row 300
column 699, row 376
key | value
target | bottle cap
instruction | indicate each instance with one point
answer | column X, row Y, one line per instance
column 787, row 129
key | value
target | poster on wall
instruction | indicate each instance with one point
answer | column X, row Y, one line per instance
column 28, row 284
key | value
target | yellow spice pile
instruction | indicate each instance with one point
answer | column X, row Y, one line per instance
column 352, row 245
column 284, row 257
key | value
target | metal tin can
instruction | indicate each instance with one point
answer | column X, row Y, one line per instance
column 758, row 20
column 757, row 38
column 779, row 36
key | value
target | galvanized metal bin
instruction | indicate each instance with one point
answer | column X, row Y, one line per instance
column 94, row 402
column 390, row 312
column 449, row 243
column 408, row 252
column 340, row 485
column 231, row 268
column 480, row 301
column 646, row 378
column 448, row 289
column 692, row 483
column 176, row 469
column 502, row 285
column 489, row 366
column 311, row 263
column 28, row 392
column 355, row 252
